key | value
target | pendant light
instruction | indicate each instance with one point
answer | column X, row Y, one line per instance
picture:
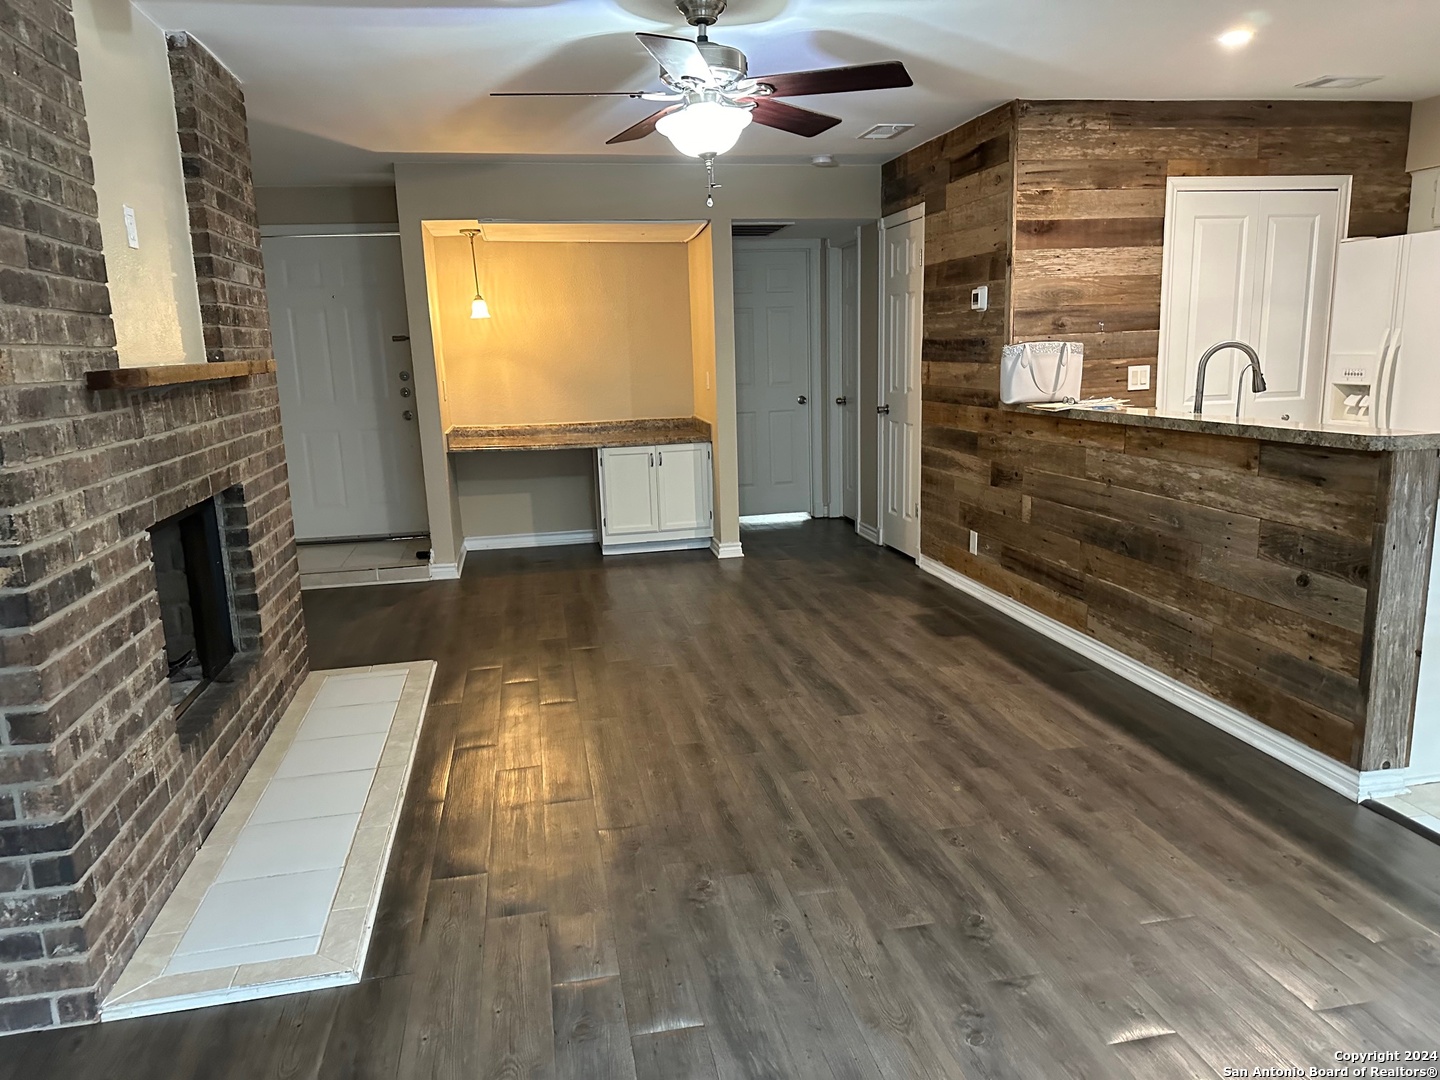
column 479, row 309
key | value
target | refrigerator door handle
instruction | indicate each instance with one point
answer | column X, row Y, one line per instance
column 1377, row 396
column 1390, row 387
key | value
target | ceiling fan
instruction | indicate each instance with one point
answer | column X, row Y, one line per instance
column 712, row 98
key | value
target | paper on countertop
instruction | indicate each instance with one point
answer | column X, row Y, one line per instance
column 1086, row 403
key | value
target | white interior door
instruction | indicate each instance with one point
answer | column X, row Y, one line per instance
column 337, row 304
column 682, row 483
column 850, row 379
column 1410, row 399
column 627, row 490
column 1255, row 266
column 774, row 348
column 903, row 251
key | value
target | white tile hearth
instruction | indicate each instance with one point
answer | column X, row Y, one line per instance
column 281, row 896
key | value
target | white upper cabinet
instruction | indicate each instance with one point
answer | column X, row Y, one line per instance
column 655, row 498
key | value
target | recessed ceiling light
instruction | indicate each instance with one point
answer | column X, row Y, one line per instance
column 886, row 131
column 1338, row 82
column 1235, row 39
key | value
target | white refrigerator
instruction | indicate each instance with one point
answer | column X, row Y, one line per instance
column 1384, row 363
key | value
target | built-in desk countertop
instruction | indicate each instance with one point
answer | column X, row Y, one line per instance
column 1331, row 436
column 579, row 436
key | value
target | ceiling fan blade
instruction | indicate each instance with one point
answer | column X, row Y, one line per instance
column 643, row 128
column 777, row 114
column 842, row 80
column 680, row 58
column 573, row 93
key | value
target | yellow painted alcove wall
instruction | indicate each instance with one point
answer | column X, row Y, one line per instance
column 588, row 322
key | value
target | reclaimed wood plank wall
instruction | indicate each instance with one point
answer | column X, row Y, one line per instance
column 1241, row 568
column 1090, row 203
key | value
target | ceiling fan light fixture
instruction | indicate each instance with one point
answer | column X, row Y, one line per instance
column 706, row 125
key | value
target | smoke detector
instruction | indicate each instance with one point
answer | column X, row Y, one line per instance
column 1338, row 82
column 886, row 131
column 824, row 161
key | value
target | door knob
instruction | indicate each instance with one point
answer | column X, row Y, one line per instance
column 842, row 401
column 883, row 410
column 801, row 400
column 408, row 415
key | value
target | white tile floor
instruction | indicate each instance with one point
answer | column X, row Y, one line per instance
column 1420, row 804
column 282, row 894
column 370, row 562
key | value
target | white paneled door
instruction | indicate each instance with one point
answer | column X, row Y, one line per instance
column 773, row 352
column 347, row 405
column 903, row 251
column 1258, row 267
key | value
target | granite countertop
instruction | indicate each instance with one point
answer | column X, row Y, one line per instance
column 1337, row 436
column 590, row 435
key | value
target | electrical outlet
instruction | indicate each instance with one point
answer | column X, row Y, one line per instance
column 980, row 298
column 132, row 235
column 974, row 542
column 1138, row 377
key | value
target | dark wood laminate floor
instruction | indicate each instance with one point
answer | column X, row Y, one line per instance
column 807, row 815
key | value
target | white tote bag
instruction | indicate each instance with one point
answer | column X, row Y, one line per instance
column 1041, row 371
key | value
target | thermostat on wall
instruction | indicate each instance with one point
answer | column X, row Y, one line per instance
column 980, row 298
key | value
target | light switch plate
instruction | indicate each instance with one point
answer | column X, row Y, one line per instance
column 132, row 235
column 974, row 542
column 1137, row 377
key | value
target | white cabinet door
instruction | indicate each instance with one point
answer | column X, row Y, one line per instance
column 1211, row 286
column 1295, row 270
column 683, row 487
column 627, row 491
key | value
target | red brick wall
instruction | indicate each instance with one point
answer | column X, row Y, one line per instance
column 104, row 794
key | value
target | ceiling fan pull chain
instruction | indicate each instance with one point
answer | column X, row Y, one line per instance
column 712, row 186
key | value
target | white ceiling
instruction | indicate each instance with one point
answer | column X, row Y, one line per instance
column 339, row 90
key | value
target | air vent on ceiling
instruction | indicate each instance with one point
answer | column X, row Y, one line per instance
column 886, row 131
column 1338, row 82
column 758, row 228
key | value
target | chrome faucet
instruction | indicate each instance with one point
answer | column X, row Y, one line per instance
column 1257, row 378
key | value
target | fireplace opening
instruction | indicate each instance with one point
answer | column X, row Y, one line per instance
column 192, row 584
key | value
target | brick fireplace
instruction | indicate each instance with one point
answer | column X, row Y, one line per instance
column 105, row 789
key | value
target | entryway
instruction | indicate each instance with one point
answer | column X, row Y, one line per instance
column 347, row 404
column 797, row 367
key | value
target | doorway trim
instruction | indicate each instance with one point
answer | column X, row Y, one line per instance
column 891, row 221
column 1176, row 185
column 816, row 364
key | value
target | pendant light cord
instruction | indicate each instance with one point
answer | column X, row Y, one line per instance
column 474, row 267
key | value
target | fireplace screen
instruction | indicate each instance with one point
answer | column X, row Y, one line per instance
column 194, row 599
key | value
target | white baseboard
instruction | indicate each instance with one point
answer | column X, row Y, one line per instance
column 1349, row 782
column 867, row 532
column 727, row 551
column 446, row 571
column 531, row 540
